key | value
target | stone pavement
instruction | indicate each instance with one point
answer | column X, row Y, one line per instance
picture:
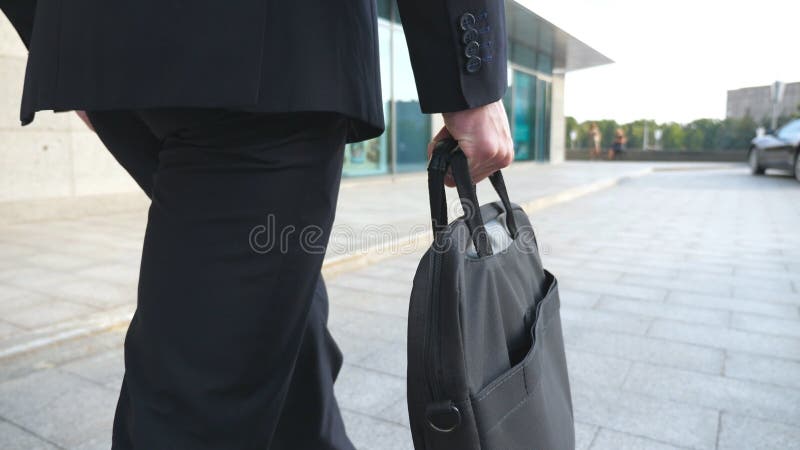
column 680, row 299
column 70, row 276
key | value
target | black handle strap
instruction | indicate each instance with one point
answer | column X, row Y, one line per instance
column 446, row 153
column 469, row 203
column 500, row 187
column 437, row 167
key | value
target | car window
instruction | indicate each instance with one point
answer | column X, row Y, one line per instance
column 790, row 131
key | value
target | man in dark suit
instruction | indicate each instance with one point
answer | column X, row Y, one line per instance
column 232, row 117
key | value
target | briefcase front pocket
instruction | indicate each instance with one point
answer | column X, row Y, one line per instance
column 531, row 402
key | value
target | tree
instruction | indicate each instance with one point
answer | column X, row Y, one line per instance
column 571, row 124
column 700, row 134
column 672, row 136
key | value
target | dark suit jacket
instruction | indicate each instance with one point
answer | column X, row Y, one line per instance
column 272, row 56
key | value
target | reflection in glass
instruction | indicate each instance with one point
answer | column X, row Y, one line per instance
column 528, row 106
column 542, row 117
column 413, row 127
column 385, row 8
column 371, row 157
column 523, row 96
column 544, row 63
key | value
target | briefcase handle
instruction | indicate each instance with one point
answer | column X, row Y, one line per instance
column 446, row 154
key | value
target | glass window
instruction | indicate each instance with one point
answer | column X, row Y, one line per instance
column 523, row 55
column 385, row 9
column 508, row 99
column 542, row 117
column 790, row 131
column 413, row 127
column 395, row 12
column 371, row 157
column 528, row 104
column 523, row 111
column 544, row 63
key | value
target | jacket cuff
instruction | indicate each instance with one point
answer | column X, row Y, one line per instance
column 458, row 52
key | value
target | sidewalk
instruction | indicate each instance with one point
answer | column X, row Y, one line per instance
column 680, row 300
column 62, row 278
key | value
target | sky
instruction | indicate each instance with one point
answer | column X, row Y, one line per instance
column 674, row 60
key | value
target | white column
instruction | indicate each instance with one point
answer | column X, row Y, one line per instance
column 557, row 121
column 437, row 122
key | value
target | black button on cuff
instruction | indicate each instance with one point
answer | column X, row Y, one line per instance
column 472, row 49
column 474, row 64
column 470, row 34
column 467, row 21
column 469, row 38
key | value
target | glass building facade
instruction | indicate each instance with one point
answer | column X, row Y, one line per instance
column 403, row 147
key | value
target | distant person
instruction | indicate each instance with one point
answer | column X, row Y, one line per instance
column 594, row 133
column 618, row 146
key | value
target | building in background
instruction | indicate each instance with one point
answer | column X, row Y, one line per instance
column 756, row 102
column 539, row 55
column 59, row 164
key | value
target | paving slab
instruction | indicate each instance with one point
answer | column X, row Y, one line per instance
column 742, row 432
column 655, row 361
column 718, row 392
column 12, row 437
column 765, row 369
column 675, row 423
column 613, row 440
column 727, row 339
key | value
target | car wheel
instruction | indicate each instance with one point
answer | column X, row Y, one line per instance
column 797, row 165
column 755, row 166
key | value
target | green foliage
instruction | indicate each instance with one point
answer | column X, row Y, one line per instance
column 701, row 134
column 672, row 136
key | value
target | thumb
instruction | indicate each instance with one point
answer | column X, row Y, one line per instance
column 442, row 134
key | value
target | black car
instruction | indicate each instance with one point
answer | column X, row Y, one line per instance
column 778, row 150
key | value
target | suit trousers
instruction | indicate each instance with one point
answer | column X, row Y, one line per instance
column 229, row 346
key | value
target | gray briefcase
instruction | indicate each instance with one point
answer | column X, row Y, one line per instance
column 486, row 365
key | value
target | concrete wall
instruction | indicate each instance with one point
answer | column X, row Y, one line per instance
column 756, row 102
column 56, row 157
column 557, row 121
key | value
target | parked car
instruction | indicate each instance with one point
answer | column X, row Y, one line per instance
column 777, row 150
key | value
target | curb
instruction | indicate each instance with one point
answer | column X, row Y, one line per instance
column 67, row 330
column 699, row 168
column 331, row 267
column 345, row 263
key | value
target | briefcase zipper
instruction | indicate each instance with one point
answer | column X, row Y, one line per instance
column 432, row 336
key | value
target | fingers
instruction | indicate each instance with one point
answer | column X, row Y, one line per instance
column 492, row 157
column 484, row 136
column 442, row 134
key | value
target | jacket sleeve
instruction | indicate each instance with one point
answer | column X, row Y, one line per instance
column 20, row 14
column 458, row 51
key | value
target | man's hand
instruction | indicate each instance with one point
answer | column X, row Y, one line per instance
column 85, row 119
column 483, row 135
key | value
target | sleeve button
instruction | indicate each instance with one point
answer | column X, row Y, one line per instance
column 472, row 49
column 467, row 21
column 473, row 64
column 470, row 34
